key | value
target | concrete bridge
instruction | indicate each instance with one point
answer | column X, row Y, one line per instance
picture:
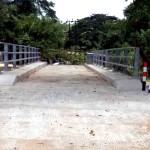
column 71, row 107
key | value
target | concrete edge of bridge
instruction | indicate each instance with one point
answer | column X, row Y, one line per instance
column 10, row 78
column 120, row 81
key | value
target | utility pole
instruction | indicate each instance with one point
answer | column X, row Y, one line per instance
column 75, row 34
column 68, row 21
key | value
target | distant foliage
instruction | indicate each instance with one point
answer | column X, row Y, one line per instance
column 65, row 57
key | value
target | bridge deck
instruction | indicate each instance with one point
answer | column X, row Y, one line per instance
column 70, row 107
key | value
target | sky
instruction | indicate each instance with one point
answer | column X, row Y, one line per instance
column 77, row 9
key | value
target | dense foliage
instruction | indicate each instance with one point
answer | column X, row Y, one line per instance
column 100, row 31
column 34, row 22
column 65, row 57
column 31, row 22
column 138, row 26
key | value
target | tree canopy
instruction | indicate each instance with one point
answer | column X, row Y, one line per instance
column 138, row 26
column 31, row 22
column 100, row 31
column 34, row 22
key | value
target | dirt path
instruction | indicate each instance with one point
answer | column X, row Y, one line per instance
column 71, row 108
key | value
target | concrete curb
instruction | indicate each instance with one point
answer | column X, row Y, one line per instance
column 118, row 80
column 12, row 77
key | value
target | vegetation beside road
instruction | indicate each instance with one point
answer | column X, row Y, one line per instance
column 34, row 22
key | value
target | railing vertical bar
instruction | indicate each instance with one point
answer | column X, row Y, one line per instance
column 20, row 55
column 36, row 54
column 96, row 58
column 136, row 62
column 30, row 61
column 125, row 61
column 117, row 58
column 102, row 57
column 14, row 55
column 5, row 57
column 106, row 58
column 111, row 54
column 99, row 58
column 32, row 54
column 25, row 55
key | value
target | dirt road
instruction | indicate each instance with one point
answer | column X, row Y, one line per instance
column 71, row 108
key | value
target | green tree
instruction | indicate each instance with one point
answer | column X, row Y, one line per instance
column 37, row 7
column 88, row 33
column 138, row 25
column 22, row 24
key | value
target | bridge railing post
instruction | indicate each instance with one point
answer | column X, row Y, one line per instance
column 125, row 61
column 94, row 58
column 29, row 55
column 37, row 54
column 136, row 62
column 14, row 55
column 6, row 56
column 111, row 58
column 20, row 55
column 32, row 54
column 36, row 59
column 118, row 58
column 100, row 58
column 25, row 55
column 106, row 58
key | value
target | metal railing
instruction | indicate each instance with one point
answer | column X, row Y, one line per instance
column 17, row 55
column 120, row 59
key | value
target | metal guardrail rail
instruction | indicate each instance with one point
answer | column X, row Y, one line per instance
column 120, row 59
column 17, row 54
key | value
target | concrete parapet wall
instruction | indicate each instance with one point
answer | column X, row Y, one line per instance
column 118, row 80
column 12, row 77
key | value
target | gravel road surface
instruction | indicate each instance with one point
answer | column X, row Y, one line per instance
column 72, row 108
